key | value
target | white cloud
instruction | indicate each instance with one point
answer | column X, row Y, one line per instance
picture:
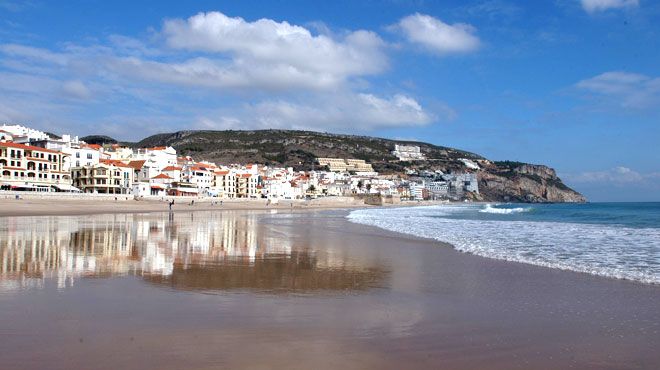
column 278, row 47
column 34, row 54
column 352, row 112
column 212, row 72
column 438, row 36
column 341, row 111
column 215, row 51
column 209, row 73
column 594, row 6
column 629, row 90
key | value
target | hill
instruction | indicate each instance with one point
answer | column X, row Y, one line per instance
column 498, row 181
column 98, row 139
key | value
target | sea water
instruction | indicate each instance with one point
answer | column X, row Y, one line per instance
column 619, row 240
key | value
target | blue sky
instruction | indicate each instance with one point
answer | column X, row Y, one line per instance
column 574, row 84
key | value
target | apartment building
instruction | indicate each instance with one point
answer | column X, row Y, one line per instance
column 224, row 183
column 104, row 178
column 29, row 167
column 408, row 153
column 345, row 165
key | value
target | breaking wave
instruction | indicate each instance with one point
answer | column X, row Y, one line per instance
column 504, row 211
column 614, row 251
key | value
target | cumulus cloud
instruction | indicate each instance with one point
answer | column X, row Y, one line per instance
column 212, row 71
column 213, row 50
column 279, row 47
column 437, row 36
column 629, row 90
column 594, row 6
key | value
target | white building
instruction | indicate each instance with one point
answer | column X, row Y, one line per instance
column 155, row 160
column 24, row 135
column 408, row 153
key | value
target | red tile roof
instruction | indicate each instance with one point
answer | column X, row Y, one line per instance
column 115, row 162
column 28, row 147
column 198, row 168
column 136, row 164
column 172, row 168
column 161, row 176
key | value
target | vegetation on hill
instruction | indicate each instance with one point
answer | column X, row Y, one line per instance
column 293, row 148
column 98, row 139
column 498, row 181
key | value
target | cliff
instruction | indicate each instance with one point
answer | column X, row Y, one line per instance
column 521, row 182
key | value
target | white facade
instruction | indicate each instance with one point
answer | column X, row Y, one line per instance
column 23, row 135
column 408, row 152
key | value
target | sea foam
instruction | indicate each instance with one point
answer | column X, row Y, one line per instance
column 504, row 211
column 605, row 250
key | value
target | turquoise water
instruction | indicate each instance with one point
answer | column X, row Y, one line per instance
column 637, row 215
column 619, row 240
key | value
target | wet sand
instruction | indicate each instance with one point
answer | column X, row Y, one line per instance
column 299, row 290
column 33, row 206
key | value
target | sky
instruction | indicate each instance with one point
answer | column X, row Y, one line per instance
column 572, row 84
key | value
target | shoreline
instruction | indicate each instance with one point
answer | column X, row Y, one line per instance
column 321, row 292
column 34, row 205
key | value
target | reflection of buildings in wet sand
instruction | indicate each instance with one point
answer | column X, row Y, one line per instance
column 33, row 249
column 230, row 247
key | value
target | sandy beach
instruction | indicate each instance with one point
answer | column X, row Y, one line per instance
column 33, row 206
column 301, row 290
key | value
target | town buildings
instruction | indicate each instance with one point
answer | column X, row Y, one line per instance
column 67, row 163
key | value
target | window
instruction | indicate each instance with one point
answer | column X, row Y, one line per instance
column 77, row 154
column 89, row 155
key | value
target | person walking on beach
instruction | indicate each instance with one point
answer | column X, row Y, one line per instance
column 171, row 203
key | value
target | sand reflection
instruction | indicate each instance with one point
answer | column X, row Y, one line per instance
column 202, row 251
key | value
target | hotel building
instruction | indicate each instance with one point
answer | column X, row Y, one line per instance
column 33, row 168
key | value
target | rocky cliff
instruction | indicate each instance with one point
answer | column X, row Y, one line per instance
column 518, row 182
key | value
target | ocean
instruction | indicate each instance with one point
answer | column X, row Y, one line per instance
column 617, row 240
